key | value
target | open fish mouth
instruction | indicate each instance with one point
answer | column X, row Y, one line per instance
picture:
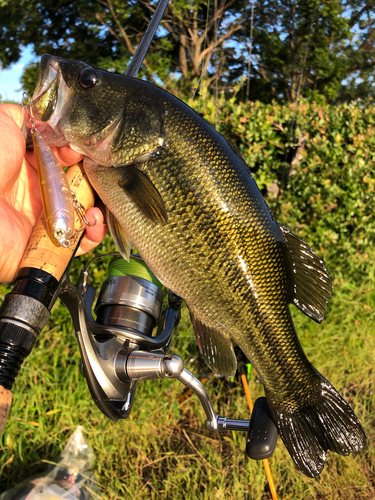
column 51, row 106
column 48, row 72
column 46, row 92
column 49, row 98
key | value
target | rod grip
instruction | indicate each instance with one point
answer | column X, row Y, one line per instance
column 5, row 403
column 42, row 254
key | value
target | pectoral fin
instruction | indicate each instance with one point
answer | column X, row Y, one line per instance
column 144, row 194
column 118, row 234
column 217, row 350
column 311, row 285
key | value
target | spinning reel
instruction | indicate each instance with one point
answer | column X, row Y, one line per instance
column 118, row 349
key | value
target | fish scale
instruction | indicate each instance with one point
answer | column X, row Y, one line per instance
column 187, row 201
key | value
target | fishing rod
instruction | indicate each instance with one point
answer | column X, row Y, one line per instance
column 118, row 348
column 142, row 49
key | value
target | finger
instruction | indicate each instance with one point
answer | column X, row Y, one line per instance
column 15, row 230
column 30, row 158
column 67, row 156
column 12, row 146
column 94, row 233
column 14, row 111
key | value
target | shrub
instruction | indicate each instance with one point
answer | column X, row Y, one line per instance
column 316, row 176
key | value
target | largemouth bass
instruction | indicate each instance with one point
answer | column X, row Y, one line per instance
column 186, row 199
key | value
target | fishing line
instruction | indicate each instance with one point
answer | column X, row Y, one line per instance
column 217, row 22
column 312, row 25
column 204, row 48
column 214, row 52
column 250, row 49
column 216, row 64
column 292, row 129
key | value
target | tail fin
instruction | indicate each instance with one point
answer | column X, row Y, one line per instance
column 329, row 424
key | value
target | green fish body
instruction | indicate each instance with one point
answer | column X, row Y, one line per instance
column 187, row 201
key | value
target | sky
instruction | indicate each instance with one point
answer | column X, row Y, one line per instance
column 10, row 87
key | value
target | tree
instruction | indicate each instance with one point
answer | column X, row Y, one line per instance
column 80, row 29
column 106, row 33
column 323, row 49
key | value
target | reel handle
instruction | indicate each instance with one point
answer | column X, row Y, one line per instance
column 26, row 310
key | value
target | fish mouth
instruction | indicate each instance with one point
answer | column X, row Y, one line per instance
column 46, row 92
column 49, row 112
column 48, row 100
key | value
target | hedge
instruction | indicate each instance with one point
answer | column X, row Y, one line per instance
column 314, row 164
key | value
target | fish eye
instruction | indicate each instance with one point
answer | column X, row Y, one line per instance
column 88, row 78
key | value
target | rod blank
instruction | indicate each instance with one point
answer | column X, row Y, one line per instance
column 146, row 40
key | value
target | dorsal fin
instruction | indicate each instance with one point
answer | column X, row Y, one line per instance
column 311, row 284
column 217, row 350
column 237, row 152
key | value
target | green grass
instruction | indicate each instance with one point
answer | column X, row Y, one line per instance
column 163, row 451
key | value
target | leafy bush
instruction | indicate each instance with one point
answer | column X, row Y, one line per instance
column 316, row 176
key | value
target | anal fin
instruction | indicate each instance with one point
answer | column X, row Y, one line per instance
column 217, row 350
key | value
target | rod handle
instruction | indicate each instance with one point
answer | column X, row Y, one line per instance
column 5, row 404
column 41, row 253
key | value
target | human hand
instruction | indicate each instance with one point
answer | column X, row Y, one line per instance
column 20, row 198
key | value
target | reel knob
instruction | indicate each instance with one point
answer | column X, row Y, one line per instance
column 262, row 435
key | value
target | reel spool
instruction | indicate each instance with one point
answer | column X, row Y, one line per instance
column 131, row 296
